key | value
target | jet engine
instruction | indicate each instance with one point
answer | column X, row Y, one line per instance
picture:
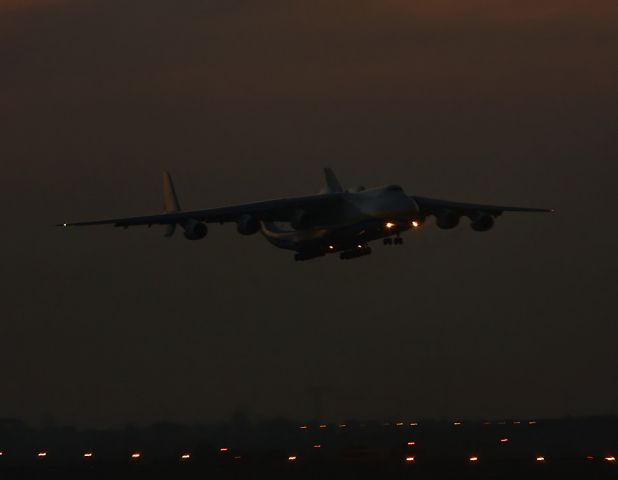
column 482, row 223
column 447, row 220
column 194, row 230
column 247, row 225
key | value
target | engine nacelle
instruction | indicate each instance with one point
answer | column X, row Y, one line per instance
column 247, row 225
column 482, row 223
column 447, row 220
column 194, row 230
column 300, row 220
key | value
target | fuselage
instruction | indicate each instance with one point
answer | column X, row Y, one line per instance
column 357, row 219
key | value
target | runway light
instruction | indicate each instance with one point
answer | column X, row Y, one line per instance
column 389, row 225
column 292, row 458
column 532, row 422
column 317, row 445
column 474, row 459
column 342, row 425
column 223, row 449
column 88, row 455
column 504, row 440
column 359, row 246
column 414, row 424
column 136, row 455
column 237, row 457
column 331, row 247
column 399, row 424
column 411, row 443
column 323, row 425
column 456, row 424
column 41, row 454
column 589, row 457
column 486, row 423
column 64, row 224
column 516, row 422
column 409, row 459
column 610, row 459
column 185, row 456
column 304, row 427
column 540, row 459
column 416, row 224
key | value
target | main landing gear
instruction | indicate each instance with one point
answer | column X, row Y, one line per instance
column 391, row 241
column 360, row 251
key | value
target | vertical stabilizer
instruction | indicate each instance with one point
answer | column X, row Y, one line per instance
column 332, row 184
column 170, row 200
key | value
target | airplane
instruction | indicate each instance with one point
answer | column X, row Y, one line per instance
column 332, row 221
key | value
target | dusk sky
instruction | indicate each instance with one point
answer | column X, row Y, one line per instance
column 496, row 101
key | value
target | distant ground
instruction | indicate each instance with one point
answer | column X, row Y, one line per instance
column 540, row 448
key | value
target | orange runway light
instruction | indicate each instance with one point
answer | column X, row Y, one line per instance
column 540, row 459
column 41, row 454
column 415, row 224
column 185, row 456
column 409, row 459
column 504, row 440
column 610, row 459
column 292, row 458
column 136, row 455
column 389, row 225
column 88, row 454
column 323, row 425
column 474, row 459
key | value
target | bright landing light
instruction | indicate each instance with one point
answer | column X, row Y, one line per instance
column 389, row 225
column 415, row 224
column 540, row 459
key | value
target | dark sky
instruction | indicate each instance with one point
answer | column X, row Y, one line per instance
column 511, row 102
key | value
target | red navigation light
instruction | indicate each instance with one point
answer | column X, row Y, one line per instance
column 317, row 445
column 504, row 440
column 223, row 449
column 409, row 459
column 411, row 443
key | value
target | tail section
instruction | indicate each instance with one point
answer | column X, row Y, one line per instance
column 332, row 184
column 170, row 200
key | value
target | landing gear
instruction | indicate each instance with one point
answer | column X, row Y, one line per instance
column 361, row 251
column 391, row 241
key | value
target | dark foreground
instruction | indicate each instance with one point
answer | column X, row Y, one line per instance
column 567, row 448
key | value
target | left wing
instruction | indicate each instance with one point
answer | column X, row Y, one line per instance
column 282, row 209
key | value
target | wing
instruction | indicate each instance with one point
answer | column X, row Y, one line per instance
column 282, row 209
column 433, row 206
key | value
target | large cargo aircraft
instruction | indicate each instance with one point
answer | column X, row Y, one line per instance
column 333, row 221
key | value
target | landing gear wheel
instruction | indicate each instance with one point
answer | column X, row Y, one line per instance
column 388, row 241
column 398, row 241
